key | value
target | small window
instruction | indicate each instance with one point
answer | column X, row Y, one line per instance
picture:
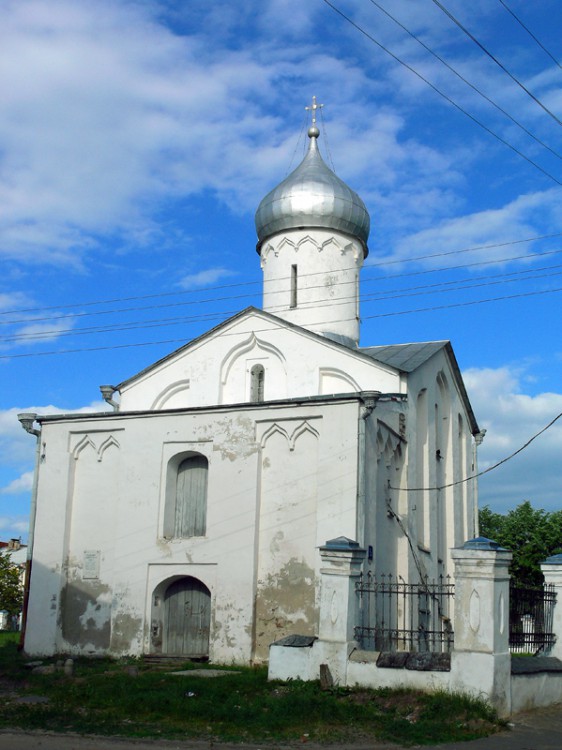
column 294, row 280
column 186, row 506
column 257, row 376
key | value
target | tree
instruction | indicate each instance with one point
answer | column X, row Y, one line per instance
column 531, row 534
column 11, row 590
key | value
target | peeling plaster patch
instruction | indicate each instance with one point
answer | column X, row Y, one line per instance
column 85, row 614
column 237, row 438
column 164, row 547
column 275, row 546
column 95, row 615
column 285, row 605
column 233, row 617
column 125, row 629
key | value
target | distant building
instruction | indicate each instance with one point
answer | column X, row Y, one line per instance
column 18, row 555
column 187, row 521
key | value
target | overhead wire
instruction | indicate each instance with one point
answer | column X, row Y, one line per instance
column 442, row 94
column 484, row 471
column 365, row 280
column 436, row 308
column 465, row 80
column 220, row 316
column 164, row 322
column 387, row 295
column 528, row 30
column 368, row 265
column 497, row 62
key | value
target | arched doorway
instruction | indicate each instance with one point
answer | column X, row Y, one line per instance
column 187, row 618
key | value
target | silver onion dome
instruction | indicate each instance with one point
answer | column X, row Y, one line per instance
column 312, row 196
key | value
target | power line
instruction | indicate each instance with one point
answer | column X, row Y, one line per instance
column 262, row 330
column 365, row 280
column 379, row 264
column 467, row 82
column 485, row 471
column 498, row 63
column 441, row 93
column 463, row 304
column 388, row 295
column 524, row 275
column 528, row 30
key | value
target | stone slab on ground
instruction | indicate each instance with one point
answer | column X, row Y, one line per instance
column 203, row 672
column 535, row 664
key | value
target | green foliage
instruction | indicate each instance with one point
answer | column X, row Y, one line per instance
column 137, row 699
column 531, row 534
column 11, row 591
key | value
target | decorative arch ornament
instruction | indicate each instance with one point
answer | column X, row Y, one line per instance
column 168, row 392
column 107, row 443
column 291, row 437
column 303, row 428
column 335, row 372
column 251, row 343
column 83, row 444
column 275, row 429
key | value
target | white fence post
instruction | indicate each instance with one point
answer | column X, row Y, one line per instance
column 480, row 661
column 342, row 559
column 552, row 571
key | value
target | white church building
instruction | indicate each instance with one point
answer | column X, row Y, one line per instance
column 187, row 518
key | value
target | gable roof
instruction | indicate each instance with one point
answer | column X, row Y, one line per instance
column 408, row 357
column 405, row 357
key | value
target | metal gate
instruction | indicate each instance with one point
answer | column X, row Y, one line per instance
column 400, row 616
column 531, row 610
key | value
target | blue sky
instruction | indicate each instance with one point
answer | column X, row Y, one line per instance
column 137, row 139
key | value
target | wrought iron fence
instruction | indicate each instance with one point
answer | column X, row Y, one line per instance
column 400, row 616
column 531, row 611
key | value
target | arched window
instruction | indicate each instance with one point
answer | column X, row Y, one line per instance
column 257, row 376
column 186, row 503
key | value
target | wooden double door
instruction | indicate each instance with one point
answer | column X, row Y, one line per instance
column 187, row 618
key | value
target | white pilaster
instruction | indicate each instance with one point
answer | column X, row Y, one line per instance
column 481, row 662
column 552, row 571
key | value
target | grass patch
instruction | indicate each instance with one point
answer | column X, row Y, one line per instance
column 134, row 699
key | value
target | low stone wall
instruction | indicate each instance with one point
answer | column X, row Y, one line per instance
column 480, row 664
column 536, row 681
column 402, row 670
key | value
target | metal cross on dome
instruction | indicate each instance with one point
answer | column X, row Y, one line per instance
column 313, row 107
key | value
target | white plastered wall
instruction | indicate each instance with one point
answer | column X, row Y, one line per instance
column 216, row 370
column 99, row 558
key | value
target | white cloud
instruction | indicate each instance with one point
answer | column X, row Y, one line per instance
column 525, row 217
column 204, row 278
column 512, row 417
column 33, row 333
column 12, row 527
column 13, row 301
column 106, row 112
column 23, row 483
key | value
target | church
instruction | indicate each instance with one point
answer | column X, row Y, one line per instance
column 186, row 519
